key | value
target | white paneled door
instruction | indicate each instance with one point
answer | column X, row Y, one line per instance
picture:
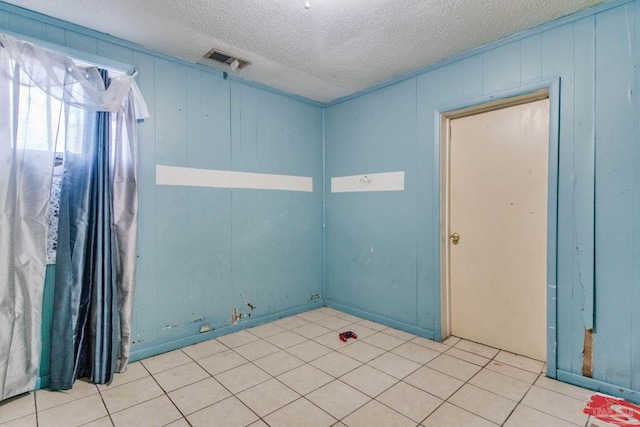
column 498, row 174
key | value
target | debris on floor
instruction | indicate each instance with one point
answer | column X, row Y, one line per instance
column 613, row 410
column 348, row 334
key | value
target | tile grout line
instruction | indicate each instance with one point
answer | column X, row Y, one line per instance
column 330, row 350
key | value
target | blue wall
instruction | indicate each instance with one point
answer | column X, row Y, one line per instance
column 597, row 59
column 203, row 252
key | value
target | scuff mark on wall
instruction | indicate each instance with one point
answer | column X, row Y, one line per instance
column 235, row 316
column 205, row 328
column 169, row 327
column 315, row 296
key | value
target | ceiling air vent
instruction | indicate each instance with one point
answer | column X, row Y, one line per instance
column 226, row 58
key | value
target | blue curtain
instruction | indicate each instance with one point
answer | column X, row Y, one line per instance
column 84, row 329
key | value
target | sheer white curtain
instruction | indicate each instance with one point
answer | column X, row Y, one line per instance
column 34, row 86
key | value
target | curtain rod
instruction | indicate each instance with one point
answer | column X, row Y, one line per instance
column 78, row 55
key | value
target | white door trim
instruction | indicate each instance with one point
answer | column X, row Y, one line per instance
column 546, row 89
column 445, row 177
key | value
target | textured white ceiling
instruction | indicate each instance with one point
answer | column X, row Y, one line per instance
column 332, row 49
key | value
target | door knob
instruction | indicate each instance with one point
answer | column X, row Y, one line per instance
column 455, row 238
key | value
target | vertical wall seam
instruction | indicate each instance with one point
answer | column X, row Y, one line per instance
column 595, row 166
column 416, row 142
column 324, row 207
column 231, row 278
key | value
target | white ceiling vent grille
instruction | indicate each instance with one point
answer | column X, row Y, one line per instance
column 226, row 58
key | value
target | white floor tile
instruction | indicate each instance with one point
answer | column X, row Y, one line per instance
column 449, row 415
column 524, row 416
column 375, row 413
column 242, row 377
column 510, row 371
column 17, row 407
column 477, row 348
column 237, row 339
column 406, row 336
column 368, row 380
column 454, row 367
column 362, row 351
column 199, row 395
column 564, row 388
column 329, row 311
column 153, row 413
column 313, row 315
column 286, row 339
column 102, row 422
column 556, row 404
column 204, row 349
column 221, row 362
column 28, row 421
column 410, row 401
column 305, row 379
column 46, row 399
column 135, row 371
column 416, row 352
column 291, row 322
column 336, row 364
column 180, row 376
column 256, row 349
column 431, row 344
column 165, row 361
column 131, row 394
column 278, row 363
column 300, row 413
column 451, row 341
column 308, row 350
column 267, row 330
column 503, row 385
column 333, row 323
column 231, row 410
column 350, row 317
column 179, row 423
column 434, row 382
column 520, row 362
column 338, row 399
column 384, row 341
column 481, row 402
column 394, row 365
column 467, row 357
column 267, row 397
column 311, row 330
column 75, row 413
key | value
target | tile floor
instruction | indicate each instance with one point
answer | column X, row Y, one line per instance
column 296, row 372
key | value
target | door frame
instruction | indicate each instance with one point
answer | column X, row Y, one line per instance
column 548, row 89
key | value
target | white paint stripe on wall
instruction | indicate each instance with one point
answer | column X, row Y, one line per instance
column 192, row 177
column 388, row 181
